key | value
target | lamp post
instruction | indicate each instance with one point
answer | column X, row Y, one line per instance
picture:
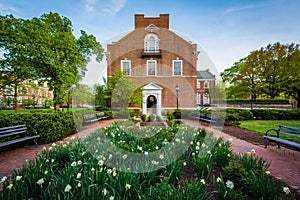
column 177, row 89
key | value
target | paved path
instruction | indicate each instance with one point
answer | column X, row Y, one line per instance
column 14, row 159
column 285, row 164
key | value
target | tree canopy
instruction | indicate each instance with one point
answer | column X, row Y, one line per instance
column 46, row 49
column 271, row 70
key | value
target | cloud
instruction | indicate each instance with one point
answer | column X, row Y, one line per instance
column 4, row 9
column 115, row 6
column 90, row 5
column 241, row 8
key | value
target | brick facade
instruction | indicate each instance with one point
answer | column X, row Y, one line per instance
column 171, row 48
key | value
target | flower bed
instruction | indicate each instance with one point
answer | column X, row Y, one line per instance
column 129, row 162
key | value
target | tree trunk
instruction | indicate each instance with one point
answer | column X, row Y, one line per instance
column 56, row 98
column 298, row 101
column 16, row 96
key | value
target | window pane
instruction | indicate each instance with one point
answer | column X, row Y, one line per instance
column 198, row 98
column 151, row 44
column 126, row 67
column 177, row 68
column 151, row 68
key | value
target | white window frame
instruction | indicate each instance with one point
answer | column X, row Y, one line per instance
column 149, row 46
column 19, row 99
column 198, row 98
column 45, row 93
column 173, row 67
column 122, row 65
column 40, row 101
column 206, row 99
column 198, row 85
column 155, row 69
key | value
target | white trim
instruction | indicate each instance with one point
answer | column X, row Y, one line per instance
column 155, row 72
column 129, row 61
column 173, row 65
column 206, row 99
column 147, row 43
column 198, row 98
column 198, row 85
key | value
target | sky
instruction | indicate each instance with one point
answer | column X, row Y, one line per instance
column 225, row 30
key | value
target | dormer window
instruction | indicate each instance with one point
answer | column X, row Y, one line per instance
column 151, row 43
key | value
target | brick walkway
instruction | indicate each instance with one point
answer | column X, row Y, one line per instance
column 14, row 159
column 285, row 164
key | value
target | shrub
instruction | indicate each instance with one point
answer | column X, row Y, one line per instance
column 51, row 126
column 143, row 117
column 170, row 116
column 232, row 119
column 272, row 114
column 243, row 113
column 177, row 114
column 151, row 118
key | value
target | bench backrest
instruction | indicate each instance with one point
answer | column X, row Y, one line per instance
column 88, row 116
column 289, row 130
column 13, row 130
column 100, row 114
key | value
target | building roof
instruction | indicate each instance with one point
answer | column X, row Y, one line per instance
column 206, row 74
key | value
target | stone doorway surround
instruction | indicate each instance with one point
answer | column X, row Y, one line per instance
column 152, row 89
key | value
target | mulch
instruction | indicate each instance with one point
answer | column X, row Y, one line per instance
column 251, row 136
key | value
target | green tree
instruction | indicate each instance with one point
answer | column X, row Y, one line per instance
column 100, row 96
column 271, row 70
column 82, row 95
column 47, row 46
column 121, row 92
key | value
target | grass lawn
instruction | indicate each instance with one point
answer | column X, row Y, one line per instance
column 261, row 126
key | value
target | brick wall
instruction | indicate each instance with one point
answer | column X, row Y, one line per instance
column 172, row 47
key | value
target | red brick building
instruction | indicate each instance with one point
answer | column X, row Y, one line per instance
column 205, row 81
column 157, row 60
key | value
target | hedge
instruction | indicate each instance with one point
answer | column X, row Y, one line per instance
column 257, row 101
column 272, row 114
column 51, row 126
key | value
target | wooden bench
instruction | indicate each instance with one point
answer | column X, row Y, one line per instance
column 16, row 134
column 93, row 117
column 282, row 130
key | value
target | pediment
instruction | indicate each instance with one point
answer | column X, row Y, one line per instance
column 151, row 27
column 152, row 86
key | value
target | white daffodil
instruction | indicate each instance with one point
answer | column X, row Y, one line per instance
column 68, row 188
column 127, row 186
column 18, row 178
column 79, row 175
column 229, row 184
column 40, row 182
column 286, row 190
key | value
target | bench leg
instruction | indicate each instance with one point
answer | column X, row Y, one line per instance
column 36, row 144
column 267, row 143
column 278, row 145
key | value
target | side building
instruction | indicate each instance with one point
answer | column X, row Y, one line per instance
column 205, row 81
column 28, row 93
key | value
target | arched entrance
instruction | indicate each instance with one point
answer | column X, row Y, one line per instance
column 151, row 104
column 152, row 99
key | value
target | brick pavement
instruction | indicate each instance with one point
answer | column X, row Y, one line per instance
column 14, row 159
column 285, row 164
